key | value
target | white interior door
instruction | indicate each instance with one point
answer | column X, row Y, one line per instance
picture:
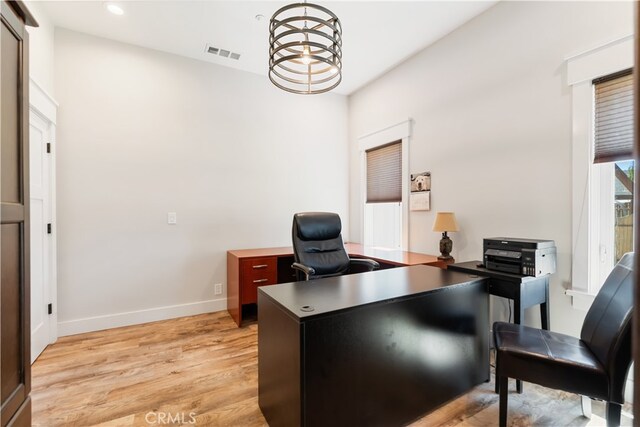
column 40, row 186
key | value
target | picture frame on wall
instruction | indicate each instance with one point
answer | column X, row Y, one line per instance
column 420, row 198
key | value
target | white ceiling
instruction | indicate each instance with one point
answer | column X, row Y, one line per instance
column 376, row 35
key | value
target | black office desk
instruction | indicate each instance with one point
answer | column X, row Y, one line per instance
column 379, row 348
column 525, row 291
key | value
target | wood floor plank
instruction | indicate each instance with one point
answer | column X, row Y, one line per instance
column 205, row 367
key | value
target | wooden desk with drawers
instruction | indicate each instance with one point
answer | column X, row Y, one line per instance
column 247, row 269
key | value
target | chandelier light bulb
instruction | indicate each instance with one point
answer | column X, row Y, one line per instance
column 306, row 58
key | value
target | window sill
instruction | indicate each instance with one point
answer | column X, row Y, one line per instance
column 580, row 300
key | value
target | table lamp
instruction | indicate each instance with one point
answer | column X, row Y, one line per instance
column 445, row 221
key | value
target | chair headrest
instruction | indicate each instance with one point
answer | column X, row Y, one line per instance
column 607, row 321
column 626, row 261
column 317, row 225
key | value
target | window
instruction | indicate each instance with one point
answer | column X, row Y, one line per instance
column 623, row 233
column 383, row 209
column 613, row 112
column 602, row 171
column 384, row 187
column 384, row 174
column 611, row 230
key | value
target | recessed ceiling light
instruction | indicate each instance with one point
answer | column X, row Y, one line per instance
column 259, row 17
column 114, row 8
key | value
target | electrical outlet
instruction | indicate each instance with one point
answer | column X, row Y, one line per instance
column 172, row 218
column 218, row 288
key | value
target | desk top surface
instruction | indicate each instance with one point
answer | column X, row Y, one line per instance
column 391, row 256
column 343, row 292
column 471, row 267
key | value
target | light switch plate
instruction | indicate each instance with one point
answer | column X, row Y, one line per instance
column 172, row 218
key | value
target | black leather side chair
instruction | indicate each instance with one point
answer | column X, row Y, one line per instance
column 318, row 249
column 596, row 365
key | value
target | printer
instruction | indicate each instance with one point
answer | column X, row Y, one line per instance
column 528, row 257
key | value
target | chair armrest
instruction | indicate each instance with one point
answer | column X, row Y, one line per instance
column 308, row 271
column 371, row 264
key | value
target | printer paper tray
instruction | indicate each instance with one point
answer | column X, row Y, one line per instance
column 514, row 269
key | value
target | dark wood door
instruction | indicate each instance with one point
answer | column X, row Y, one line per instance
column 15, row 367
column 636, row 217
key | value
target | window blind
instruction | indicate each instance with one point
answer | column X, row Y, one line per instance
column 384, row 173
column 613, row 133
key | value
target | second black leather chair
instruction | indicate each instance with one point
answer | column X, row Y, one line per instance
column 596, row 365
column 318, row 248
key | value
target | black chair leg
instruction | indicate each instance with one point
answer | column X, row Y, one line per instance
column 613, row 414
column 496, row 374
column 504, row 401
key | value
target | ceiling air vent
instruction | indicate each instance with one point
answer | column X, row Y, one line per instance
column 221, row 52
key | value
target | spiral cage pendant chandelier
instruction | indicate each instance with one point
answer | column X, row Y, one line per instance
column 305, row 49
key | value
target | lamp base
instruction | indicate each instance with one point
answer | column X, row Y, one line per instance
column 446, row 245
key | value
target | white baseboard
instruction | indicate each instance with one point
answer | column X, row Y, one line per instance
column 98, row 323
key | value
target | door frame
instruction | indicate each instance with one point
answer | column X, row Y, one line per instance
column 45, row 107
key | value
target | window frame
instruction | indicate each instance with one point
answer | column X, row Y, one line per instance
column 582, row 69
column 602, row 225
column 398, row 132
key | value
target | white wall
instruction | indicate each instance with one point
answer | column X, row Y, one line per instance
column 143, row 133
column 492, row 123
column 41, row 49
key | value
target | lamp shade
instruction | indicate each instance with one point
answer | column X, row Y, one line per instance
column 445, row 221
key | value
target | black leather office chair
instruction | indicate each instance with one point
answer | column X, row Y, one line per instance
column 596, row 365
column 318, row 248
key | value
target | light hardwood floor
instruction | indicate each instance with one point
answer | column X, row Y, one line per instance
column 207, row 367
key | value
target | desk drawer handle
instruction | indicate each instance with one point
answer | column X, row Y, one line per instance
column 260, row 266
column 260, row 280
